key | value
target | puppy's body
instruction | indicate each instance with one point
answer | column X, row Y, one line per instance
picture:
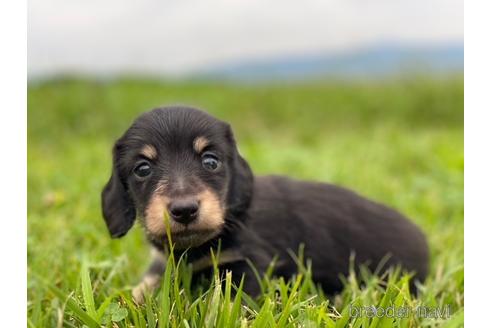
column 332, row 223
column 192, row 171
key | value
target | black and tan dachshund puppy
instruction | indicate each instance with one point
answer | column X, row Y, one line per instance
column 182, row 164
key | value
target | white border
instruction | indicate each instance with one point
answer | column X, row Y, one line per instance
column 478, row 150
column 478, row 162
column 13, row 167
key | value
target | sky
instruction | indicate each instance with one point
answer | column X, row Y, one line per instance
column 172, row 37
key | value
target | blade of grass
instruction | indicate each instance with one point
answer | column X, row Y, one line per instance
column 213, row 306
column 87, row 290
column 165, row 306
column 73, row 306
column 236, row 306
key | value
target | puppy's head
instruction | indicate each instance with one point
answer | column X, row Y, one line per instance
column 176, row 168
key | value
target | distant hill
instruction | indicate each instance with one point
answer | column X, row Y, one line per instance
column 371, row 62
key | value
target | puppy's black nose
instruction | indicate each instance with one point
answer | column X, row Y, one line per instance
column 184, row 210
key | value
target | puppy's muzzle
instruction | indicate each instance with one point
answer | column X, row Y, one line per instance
column 184, row 210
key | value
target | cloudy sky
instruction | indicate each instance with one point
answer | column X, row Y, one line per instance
column 175, row 37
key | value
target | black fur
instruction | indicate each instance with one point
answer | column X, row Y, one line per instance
column 265, row 217
column 118, row 208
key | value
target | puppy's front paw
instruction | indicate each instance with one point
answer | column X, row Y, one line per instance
column 146, row 286
column 138, row 293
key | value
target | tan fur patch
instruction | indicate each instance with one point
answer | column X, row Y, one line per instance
column 199, row 144
column 150, row 281
column 157, row 256
column 149, row 151
column 208, row 224
column 148, row 284
column 154, row 214
column 211, row 211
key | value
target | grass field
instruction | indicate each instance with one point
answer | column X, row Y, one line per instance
column 398, row 141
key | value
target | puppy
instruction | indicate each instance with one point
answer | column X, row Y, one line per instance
column 178, row 168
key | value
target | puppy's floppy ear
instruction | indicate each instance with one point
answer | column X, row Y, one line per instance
column 117, row 206
column 241, row 184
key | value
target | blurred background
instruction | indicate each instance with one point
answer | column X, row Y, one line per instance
column 248, row 39
column 365, row 94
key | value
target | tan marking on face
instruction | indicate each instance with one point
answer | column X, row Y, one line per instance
column 154, row 214
column 211, row 211
column 199, row 144
column 149, row 151
column 210, row 220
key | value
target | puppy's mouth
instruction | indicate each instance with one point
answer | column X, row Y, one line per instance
column 182, row 235
column 188, row 226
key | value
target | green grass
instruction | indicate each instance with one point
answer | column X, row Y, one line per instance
column 398, row 141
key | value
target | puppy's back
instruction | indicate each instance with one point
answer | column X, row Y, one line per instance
column 333, row 223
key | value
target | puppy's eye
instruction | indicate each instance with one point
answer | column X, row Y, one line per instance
column 142, row 170
column 210, row 161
